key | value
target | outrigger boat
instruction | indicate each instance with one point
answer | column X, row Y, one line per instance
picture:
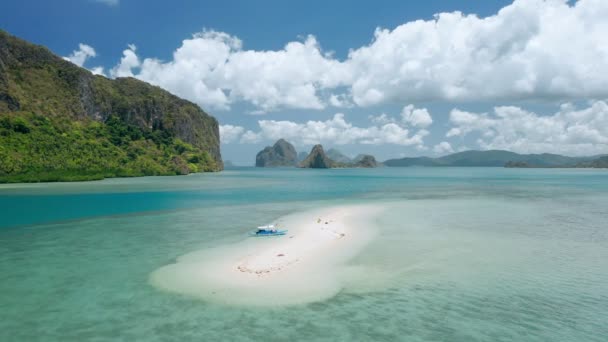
column 269, row 230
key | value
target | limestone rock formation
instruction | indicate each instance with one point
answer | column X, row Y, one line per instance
column 282, row 153
column 366, row 160
column 317, row 159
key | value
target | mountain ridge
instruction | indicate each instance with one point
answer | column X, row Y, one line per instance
column 498, row 158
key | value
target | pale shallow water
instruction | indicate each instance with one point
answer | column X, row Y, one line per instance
column 462, row 254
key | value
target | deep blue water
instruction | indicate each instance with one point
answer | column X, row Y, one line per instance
column 68, row 201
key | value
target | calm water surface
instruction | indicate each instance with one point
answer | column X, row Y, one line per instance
column 474, row 254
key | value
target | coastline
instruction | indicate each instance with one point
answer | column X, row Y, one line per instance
column 67, row 177
column 301, row 267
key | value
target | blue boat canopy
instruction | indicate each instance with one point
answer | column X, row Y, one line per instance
column 268, row 230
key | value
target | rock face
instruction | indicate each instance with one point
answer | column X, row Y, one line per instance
column 317, row 159
column 281, row 153
column 53, row 96
column 366, row 160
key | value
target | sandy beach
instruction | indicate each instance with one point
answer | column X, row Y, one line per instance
column 300, row 267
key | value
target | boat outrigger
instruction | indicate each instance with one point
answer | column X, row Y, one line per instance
column 269, row 230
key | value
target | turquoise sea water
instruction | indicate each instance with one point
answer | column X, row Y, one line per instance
column 475, row 254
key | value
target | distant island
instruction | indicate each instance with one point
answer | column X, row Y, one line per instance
column 337, row 156
column 599, row 163
column 497, row 158
column 59, row 122
column 283, row 154
column 317, row 159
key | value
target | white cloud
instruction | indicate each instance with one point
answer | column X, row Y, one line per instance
column 128, row 62
column 250, row 137
column 381, row 119
column 569, row 131
column 410, row 117
column 80, row 56
column 335, row 131
column 443, row 148
column 417, row 117
column 213, row 69
column 98, row 71
column 230, row 133
column 531, row 49
column 108, row 2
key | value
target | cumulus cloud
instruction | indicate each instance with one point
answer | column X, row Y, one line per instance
column 98, row 71
column 230, row 133
column 569, row 131
column 443, row 148
column 417, row 117
column 336, row 131
column 531, row 49
column 214, row 70
column 128, row 62
column 80, row 56
column 250, row 137
column 381, row 119
column 410, row 116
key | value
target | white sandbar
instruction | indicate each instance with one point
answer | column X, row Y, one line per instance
column 300, row 267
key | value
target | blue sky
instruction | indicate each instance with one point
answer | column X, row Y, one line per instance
column 157, row 27
column 391, row 78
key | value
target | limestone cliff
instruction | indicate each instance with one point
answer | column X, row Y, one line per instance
column 281, row 153
column 317, row 159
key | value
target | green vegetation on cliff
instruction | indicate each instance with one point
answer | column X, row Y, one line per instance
column 59, row 122
column 36, row 148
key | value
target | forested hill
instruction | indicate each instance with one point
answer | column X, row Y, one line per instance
column 59, row 122
column 490, row 158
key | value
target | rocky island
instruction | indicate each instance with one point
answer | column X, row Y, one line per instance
column 59, row 122
column 281, row 153
column 317, row 159
column 365, row 161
